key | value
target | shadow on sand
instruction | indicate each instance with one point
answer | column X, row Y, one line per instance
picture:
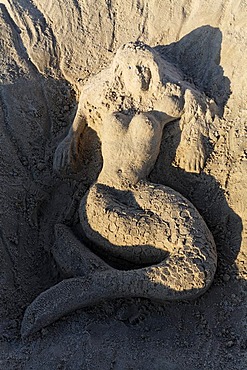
column 198, row 56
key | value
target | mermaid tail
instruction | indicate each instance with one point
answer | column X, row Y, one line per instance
column 179, row 276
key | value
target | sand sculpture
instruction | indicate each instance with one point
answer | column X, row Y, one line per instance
column 146, row 240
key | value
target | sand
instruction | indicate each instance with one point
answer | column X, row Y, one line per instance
column 49, row 50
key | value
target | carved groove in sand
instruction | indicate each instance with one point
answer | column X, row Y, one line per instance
column 158, row 235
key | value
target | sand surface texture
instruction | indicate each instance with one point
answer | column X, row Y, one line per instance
column 50, row 51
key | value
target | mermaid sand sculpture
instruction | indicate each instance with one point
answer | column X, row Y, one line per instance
column 167, row 251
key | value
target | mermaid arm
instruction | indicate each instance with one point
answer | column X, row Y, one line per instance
column 195, row 124
column 69, row 150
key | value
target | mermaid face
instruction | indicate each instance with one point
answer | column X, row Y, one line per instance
column 137, row 77
column 135, row 65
